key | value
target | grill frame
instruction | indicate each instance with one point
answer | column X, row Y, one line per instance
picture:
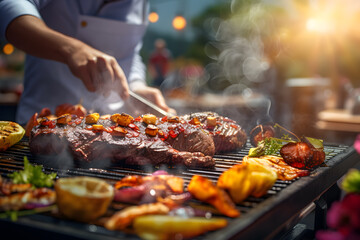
column 285, row 200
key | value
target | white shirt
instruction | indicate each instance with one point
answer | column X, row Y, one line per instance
column 115, row 28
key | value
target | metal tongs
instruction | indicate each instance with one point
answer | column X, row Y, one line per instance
column 149, row 104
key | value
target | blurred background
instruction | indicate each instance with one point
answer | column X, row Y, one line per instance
column 294, row 62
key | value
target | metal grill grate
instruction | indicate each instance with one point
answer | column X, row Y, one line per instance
column 284, row 200
column 12, row 160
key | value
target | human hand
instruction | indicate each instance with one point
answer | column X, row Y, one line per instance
column 155, row 96
column 98, row 71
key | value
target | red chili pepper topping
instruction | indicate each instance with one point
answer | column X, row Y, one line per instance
column 49, row 123
column 164, row 136
column 234, row 126
column 78, row 121
column 108, row 129
column 133, row 126
column 172, row 134
column 52, row 124
column 164, row 119
column 138, row 119
column 217, row 132
column 135, row 134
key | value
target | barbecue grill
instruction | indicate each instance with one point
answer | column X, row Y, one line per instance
column 261, row 218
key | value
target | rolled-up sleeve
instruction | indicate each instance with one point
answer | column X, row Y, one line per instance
column 11, row 9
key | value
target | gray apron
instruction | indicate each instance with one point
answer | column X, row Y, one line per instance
column 117, row 39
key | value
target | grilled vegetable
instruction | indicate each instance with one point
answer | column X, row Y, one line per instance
column 92, row 118
column 136, row 189
column 268, row 146
column 204, row 190
column 211, row 121
column 98, row 127
column 10, row 133
column 244, row 180
column 33, row 175
column 151, row 130
column 283, row 170
column 122, row 119
column 83, row 198
column 173, row 119
column 173, row 227
column 119, row 132
column 149, row 119
column 125, row 217
column 64, row 119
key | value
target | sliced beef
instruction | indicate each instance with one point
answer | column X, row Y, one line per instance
column 135, row 148
column 226, row 133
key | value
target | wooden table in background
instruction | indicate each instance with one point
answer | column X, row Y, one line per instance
column 338, row 125
column 338, row 120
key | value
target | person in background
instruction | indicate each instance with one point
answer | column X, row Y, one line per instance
column 79, row 50
column 159, row 62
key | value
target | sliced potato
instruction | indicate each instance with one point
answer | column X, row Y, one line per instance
column 10, row 133
column 163, row 227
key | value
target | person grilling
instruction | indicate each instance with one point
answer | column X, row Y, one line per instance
column 79, row 50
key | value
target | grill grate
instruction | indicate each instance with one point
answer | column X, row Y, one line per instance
column 255, row 212
column 12, row 160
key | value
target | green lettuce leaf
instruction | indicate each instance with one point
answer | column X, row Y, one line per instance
column 34, row 175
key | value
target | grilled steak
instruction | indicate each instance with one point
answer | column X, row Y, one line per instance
column 226, row 133
column 175, row 141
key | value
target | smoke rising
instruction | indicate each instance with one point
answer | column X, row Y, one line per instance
column 240, row 66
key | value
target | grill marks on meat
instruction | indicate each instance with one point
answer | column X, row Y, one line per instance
column 302, row 155
column 193, row 141
column 86, row 145
column 227, row 134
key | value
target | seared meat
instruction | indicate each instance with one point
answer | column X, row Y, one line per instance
column 226, row 133
column 176, row 143
column 302, row 155
column 261, row 132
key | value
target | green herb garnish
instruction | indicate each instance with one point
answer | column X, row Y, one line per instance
column 33, row 175
column 268, row 146
column 272, row 146
column 351, row 182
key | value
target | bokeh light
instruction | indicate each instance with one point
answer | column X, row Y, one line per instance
column 8, row 49
column 153, row 17
column 179, row 22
